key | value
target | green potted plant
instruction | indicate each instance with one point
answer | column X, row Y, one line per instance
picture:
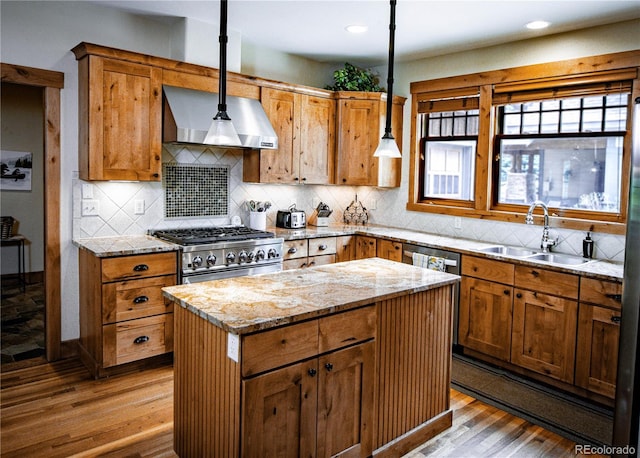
column 352, row 78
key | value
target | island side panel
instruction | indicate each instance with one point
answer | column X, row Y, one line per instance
column 414, row 369
column 206, row 389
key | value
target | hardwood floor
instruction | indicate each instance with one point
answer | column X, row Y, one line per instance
column 58, row 410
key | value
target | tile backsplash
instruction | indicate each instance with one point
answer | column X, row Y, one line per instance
column 133, row 208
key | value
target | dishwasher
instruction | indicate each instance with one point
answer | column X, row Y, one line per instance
column 452, row 266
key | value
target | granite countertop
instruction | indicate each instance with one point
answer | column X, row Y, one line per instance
column 124, row 245
column 601, row 269
column 247, row 304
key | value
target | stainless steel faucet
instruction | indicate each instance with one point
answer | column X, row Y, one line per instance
column 546, row 243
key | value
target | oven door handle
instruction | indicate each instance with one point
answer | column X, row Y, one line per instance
column 447, row 262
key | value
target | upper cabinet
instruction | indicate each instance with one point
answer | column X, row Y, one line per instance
column 120, row 112
column 305, row 125
column 361, row 122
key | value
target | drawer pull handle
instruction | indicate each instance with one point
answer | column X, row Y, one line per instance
column 292, row 250
column 535, row 273
column 141, row 340
column 312, row 372
column 616, row 319
column 141, row 268
column 615, row 297
column 322, row 247
column 519, row 296
column 140, row 299
column 506, row 292
column 329, row 367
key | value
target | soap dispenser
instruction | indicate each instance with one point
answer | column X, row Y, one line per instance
column 587, row 246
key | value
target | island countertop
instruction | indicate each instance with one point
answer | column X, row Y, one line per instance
column 247, row 304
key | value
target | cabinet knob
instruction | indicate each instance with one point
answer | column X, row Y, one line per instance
column 519, row 296
column 329, row 367
column 615, row 297
column 292, row 250
column 141, row 340
column 616, row 319
column 322, row 247
column 312, row 372
column 506, row 292
column 140, row 299
column 141, row 268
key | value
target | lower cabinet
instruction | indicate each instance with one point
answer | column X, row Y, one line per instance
column 366, row 247
column 302, row 253
column 345, row 248
column 313, row 408
column 388, row 249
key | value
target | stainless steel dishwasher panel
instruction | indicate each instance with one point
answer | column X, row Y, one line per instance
column 452, row 266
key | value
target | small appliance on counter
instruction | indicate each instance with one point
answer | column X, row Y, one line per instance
column 320, row 216
column 292, row 218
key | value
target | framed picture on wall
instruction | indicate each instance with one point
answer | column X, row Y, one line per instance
column 16, row 170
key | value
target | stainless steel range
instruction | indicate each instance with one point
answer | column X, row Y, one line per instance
column 211, row 253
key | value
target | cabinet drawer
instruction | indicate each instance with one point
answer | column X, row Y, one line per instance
column 321, row 260
column 286, row 345
column 601, row 292
column 322, row 246
column 487, row 269
column 294, row 264
column 137, row 339
column 294, row 249
column 139, row 266
column 547, row 281
column 343, row 329
column 131, row 299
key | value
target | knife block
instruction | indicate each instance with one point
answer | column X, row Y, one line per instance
column 319, row 221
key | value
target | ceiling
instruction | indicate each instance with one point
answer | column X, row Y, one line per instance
column 316, row 28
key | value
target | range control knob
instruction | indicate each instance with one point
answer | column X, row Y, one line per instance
column 272, row 253
column 197, row 261
column 231, row 257
column 242, row 256
column 211, row 260
column 260, row 255
column 251, row 256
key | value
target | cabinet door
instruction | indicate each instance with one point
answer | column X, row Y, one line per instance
column 359, row 133
column 544, row 334
column 485, row 317
column 345, row 402
column 317, row 139
column 389, row 249
column 365, row 247
column 283, row 110
column 121, row 127
column 279, row 412
column 345, row 248
column 597, row 351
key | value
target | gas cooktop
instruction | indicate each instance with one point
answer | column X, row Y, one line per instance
column 207, row 235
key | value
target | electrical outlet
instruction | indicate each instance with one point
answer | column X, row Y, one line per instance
column 457, row 222
column 233, row 347
column 90, row 207
column 138, row 207
column 87, row 191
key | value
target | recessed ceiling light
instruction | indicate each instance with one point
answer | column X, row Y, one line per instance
column 536, row 25
column 357, row 28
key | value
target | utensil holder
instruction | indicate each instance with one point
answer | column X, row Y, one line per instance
column 258, row 220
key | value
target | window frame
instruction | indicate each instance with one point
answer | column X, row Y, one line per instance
column 493, row 87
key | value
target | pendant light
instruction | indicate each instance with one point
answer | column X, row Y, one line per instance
column 388, row 146
column 221, row 132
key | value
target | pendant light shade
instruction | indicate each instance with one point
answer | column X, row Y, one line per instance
column 222, row 132
column 388, row 146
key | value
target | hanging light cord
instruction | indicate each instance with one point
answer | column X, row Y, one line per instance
column 392, row 30
column 222, row 78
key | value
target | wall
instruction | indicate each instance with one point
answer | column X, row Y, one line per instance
column 55, row 27
column 22, row 130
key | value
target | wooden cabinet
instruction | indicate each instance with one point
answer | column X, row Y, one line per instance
column 305, row 125
column 345, row 248
column 361, row 120
column 123, row 315
column 120, row 112
column 321, row 406
column 366, row 247
column 388, row 249
column 303, row 253
column 598, row 336
column 485, row 313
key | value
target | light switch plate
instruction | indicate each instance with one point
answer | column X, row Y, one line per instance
column 138, row 207
column 90, row 207
column 87, row 191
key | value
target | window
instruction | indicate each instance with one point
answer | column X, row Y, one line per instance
column 566, row 153
column 486, row 145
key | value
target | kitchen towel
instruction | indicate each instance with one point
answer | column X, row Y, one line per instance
column 428, row 262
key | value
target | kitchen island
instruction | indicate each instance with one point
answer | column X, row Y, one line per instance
column 351, row 358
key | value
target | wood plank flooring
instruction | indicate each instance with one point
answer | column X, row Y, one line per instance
column 58, row 410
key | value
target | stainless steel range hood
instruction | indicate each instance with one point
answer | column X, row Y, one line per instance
column 188, row 114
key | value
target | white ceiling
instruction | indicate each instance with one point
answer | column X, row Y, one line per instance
column 316, row 28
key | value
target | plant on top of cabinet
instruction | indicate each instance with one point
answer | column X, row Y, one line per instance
column 120, row 112
column 352, row 78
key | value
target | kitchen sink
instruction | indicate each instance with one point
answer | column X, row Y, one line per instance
column 508, row 251
column 558, row 259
